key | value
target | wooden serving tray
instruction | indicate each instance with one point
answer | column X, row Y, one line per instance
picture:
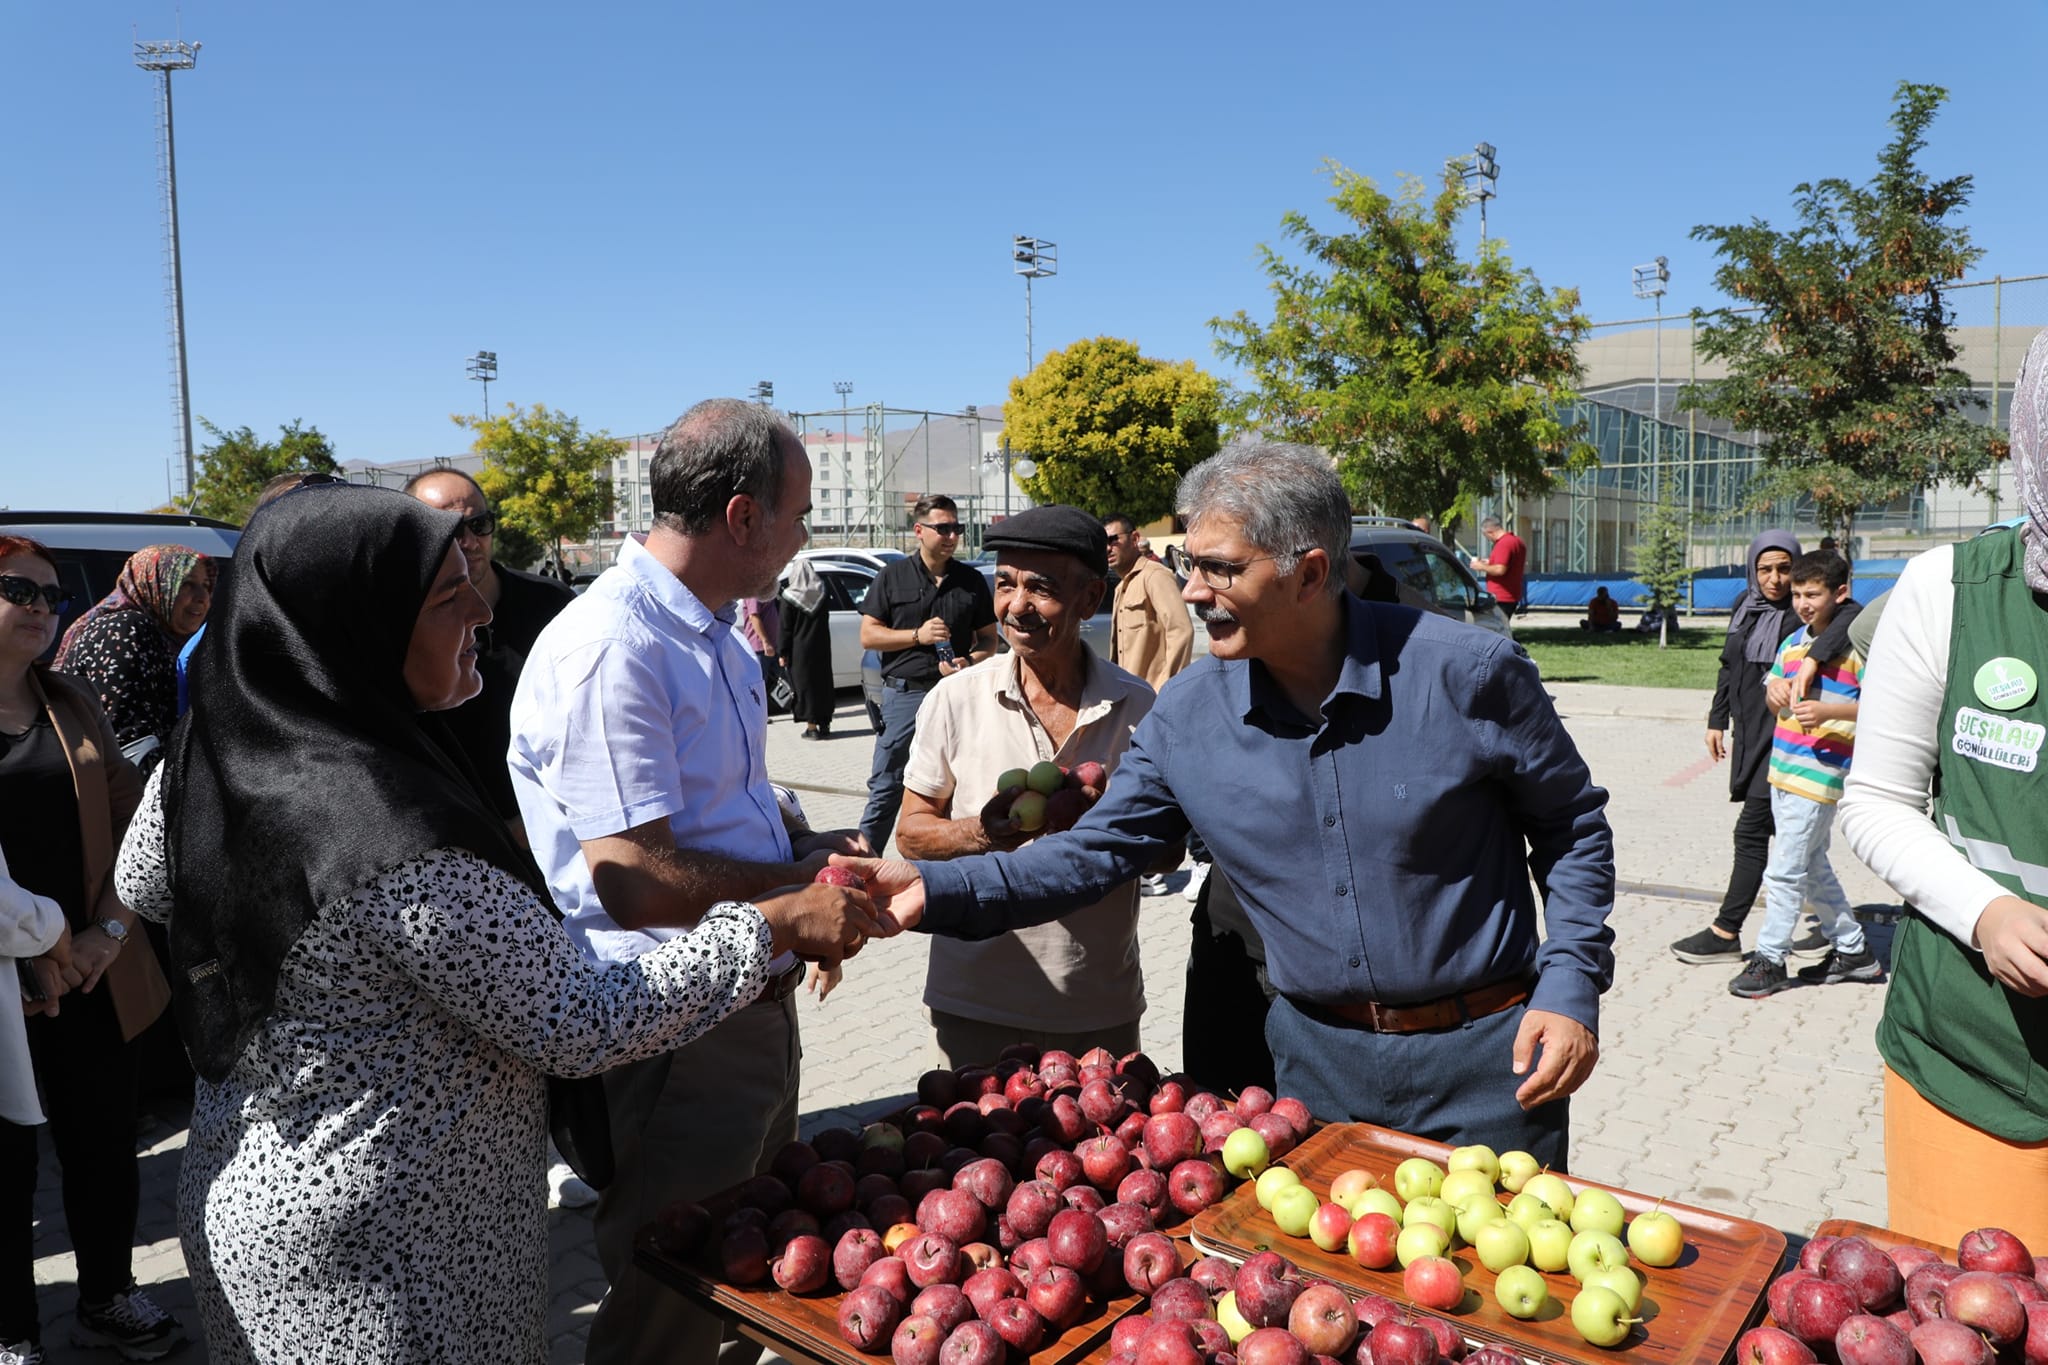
column 809, row 1324
column 1694, row 1310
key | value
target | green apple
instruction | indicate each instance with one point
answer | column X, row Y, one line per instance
column 1656, row 1238
column 1232, row 1320
column 1550, row 1243
column 1293, row 1207
column 1477, row 1212
column 1515, row 1170
column 1419, row 1240
column 1552, row 1190
column 1520, row 1291
column 1476, row 1158
column 1417, row 1176
column 1528, row 1210
column 1271, row 1181
column 1013, row 780
column 1601, row 1317
column 1428, row 1208
column 1462, row 1184
column 1244, row 1153
column 1597, row 1211
column 1375, row 1200
column 1591, row 1251
column 1622, row 1281
column 1501, row 1244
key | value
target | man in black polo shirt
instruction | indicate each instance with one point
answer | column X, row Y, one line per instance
column 928, row 617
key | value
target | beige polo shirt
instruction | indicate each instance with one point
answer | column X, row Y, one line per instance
column 1079, row 972
column 1152, row 635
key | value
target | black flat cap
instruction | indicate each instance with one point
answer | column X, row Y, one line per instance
column 1062, row 530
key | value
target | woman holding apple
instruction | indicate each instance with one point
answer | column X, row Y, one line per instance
column 1955, row 708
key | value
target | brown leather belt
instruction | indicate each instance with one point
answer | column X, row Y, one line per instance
column 1446, row 1012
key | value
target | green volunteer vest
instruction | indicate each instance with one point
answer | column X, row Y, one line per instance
column 1963, row 1040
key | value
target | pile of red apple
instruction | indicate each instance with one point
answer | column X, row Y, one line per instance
column 1851, row 1300
column 1019, row 1187
column 1046, row 796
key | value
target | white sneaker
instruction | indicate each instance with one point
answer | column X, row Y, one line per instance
column 1196, row 877
column 1153, row 885
column 567, row 1190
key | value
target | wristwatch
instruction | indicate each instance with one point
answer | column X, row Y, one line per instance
column 114, row 930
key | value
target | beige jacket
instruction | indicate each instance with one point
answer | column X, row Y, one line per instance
column 1154, row 637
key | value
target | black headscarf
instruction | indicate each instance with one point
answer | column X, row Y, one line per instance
column 1762, row 623
column 303, row 769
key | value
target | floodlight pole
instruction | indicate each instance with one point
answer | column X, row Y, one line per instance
column 483, row 367
column 1035, row 259
column 1480, row 178
column 1650, row 281
column 164, row 58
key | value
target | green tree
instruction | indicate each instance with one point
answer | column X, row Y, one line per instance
column 1844, row 361
column 547, row 478
column 234, row 466
column 1426, row 375
column 1110, row 429
column 1661, row 561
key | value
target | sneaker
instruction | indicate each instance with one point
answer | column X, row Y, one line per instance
column 1760, row 978
column 1812, row 944
column 132, row 1324
column 567, row 1190
column 1706, row 948
column 1154, row 885
column 1198, row 875
column 21, row 1353
column 1839, row 966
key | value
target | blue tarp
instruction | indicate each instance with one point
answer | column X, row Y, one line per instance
column 1711, row 589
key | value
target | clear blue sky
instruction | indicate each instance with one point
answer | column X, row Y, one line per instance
column 641, row 204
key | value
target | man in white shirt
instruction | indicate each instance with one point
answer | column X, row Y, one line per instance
column 638, row 756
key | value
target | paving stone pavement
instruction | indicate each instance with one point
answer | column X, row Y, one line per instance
column 1767, row 1109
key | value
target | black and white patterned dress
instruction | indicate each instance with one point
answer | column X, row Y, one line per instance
column 369, row 1183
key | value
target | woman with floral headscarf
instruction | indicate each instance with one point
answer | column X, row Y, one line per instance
column 126, row 647
column 1953, row 709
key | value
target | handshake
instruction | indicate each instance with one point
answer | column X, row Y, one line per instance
column 1043, row 798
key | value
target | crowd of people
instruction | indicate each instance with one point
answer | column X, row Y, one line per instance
column 465, row 877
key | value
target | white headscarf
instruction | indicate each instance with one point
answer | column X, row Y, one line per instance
column 805, row 589
column 2030, row 457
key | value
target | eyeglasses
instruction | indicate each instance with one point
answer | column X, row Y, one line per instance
column 941, row 528
column 23, row 592
column 481, row 525
column 1219, row 574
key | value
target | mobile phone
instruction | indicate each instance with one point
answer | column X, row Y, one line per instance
column 31, row 987
column 945, row 651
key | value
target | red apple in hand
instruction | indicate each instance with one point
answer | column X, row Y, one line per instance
column 840, row 876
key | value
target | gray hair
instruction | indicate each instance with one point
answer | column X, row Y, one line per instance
column 718, row 450
column 1285, row 499
column 1490, row 524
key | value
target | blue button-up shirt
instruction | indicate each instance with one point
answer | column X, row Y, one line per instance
column 640, row 703
column 1384, row 850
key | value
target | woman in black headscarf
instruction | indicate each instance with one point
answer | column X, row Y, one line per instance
column 1739, row 729
column 367, row 976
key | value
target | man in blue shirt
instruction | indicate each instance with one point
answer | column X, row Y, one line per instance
column 1380, row 785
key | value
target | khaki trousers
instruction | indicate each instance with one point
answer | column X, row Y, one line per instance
column 958, row 1041
column 686, row 1125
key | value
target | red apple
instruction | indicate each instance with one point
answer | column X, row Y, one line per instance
column 867, row 1318
column 1266, row 1287
column 922, row 1150
column 1296, row 1113
column 855, row 1252
column 1030, row 1258
column 1994, row 1249
column 1131, row 1133
column 890, row 1276
column 1018, row 1324
column 1866, row 1272
column 743, row 1255
column 916, row 1341
column 1434, row 1282
column 1982, row 1300
column 1771, row 1346
column 1124, row 1221
column 1057, row 1295
column 1817, row 1310
column 1779, row 1295
column 1272, row 1346
column 1064, row 1122
column 1129, row 1330
column 931, row 1259
column 1086, row 1198
column 1103, row 1161
column 1211, row 1337
column 1172, row 1138
column 1202, row 1103
column 1322, row 1319
column 887, row 1211
column 2026, row 1286
column 825, row 1190
column 792, row 1159
column 1194, row 1185
column 1147, row 1188
column 1371, row 1241
column 1867, row 1340
column 988, row 1181
column 2034, row 1350
column 1168, row 1097
column 794, row 1223
column 1031, row 1207
column 1810, row 1254
column 1217, row 1128
column 984, row 1289
column 1449, row 1344
column 1943, row 1341
column 1168, row 1343
column 1278, row 1132
column 1252, row 1101
column 972, row 1343
column 1401, row 1343
column 1214, row 1274
column 1102, row 1104
column 681, row 1227
column 1060, row 1169
column 938, row 1089
column 954, row 1215
column 1150, row 1260
column 1909, row 1259
column 1374, row 1309
column 1077, row 1240
column 1927, row 1290
column 1181, row 1299
column 945, row 1304
column 836, row 1144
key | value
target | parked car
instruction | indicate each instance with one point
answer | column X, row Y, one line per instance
column 91, row 547
column 876, row 559
column 1434, row 576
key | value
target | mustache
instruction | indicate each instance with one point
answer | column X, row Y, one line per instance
column 1027, row 624
column 1213, row 615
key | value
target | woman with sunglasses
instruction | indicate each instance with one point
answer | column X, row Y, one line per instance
column 126, row 647
column 67, row 794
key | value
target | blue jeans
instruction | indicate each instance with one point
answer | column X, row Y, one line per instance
column 892, row 755
column 1798, row 875
column 1454, row 1085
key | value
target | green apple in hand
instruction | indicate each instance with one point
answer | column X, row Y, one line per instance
column 1528, row 1210
column 1550, row 1243
column 1591, row 1251
column 1271, row 1181
column 1476, row 1158
column 1515, row 1170
column 1656, row 1238
column 1597, row 1211
column 1552, row 1190
column 1293, row 1207
column 1419, row 1240
column 1501, row 1244
column 1416, row 1177
column 1521, row 1292
column 1375, row 1200
column 1623, row 1281
column 1244, row 1154
column 1601, row 1317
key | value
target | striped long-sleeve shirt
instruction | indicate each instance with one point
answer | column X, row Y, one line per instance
column 1814, row 761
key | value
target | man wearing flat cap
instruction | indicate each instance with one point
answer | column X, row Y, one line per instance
column 1073, row 983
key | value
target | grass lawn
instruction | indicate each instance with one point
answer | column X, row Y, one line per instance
column 1566, row 654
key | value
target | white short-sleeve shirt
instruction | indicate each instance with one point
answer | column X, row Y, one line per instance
column 639, row 703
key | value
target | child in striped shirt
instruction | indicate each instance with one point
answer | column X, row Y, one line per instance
column 1810, row 754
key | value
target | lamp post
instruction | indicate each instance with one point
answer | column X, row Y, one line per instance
column 164, row 58
column 483, row 367
column 764, row 392
column 1479, row 178
column 1035, row 259
column 1650, row 281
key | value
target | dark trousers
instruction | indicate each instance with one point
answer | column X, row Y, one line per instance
column 892, row 755
column 1753, row 831
column 1454, row 1085
column 1223, row 1023
column 88, row 1080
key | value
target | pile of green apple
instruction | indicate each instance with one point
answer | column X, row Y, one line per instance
column 1046, row 796
column 1546, row 1227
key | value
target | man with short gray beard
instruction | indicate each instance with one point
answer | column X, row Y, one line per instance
column 1380, row 785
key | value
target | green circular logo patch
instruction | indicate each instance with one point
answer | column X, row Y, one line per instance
column 2005, row 683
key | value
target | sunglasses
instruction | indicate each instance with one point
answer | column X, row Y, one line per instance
column 481, row 525
column 941, row 528
column 23, row 592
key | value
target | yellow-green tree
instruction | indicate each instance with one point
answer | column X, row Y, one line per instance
column 546, row 477
column 1110, row 429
